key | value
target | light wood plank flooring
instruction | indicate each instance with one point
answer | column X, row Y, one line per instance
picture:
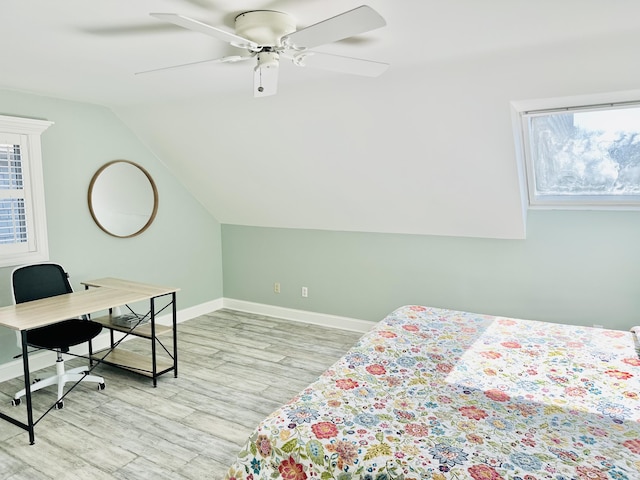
column 234, row 369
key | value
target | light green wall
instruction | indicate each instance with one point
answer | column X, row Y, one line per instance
column 574, row 267
column 181, row 248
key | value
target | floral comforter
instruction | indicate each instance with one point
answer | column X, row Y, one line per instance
column 440, row 394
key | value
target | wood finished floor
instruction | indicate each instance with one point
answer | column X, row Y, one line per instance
column 234, row 369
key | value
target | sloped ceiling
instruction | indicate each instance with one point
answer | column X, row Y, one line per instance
column 427, row 148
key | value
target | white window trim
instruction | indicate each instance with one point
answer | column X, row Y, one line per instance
column 522, row 110
column 31, row 129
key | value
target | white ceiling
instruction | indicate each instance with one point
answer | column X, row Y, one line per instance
column 427, row 148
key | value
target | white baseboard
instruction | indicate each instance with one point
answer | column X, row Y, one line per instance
column 304, row 316
column 191, row 312
column 37, row 361
column 45, row 359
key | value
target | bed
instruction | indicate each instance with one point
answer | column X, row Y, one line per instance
column 440, row 394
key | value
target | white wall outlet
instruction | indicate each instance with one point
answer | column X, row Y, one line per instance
column 276, row 287
column 305, row 292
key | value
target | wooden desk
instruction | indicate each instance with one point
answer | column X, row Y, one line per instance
column 107, row 294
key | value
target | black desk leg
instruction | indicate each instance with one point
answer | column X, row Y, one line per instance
column 27, row 388
column 175, row 336
column 154, row 366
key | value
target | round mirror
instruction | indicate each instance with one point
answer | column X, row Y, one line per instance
column 123, row 199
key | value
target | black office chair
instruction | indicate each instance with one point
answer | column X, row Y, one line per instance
column 43, row 280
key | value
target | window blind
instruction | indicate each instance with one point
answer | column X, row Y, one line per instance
column 13, row 218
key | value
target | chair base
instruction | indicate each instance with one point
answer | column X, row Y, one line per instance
column 61, row 378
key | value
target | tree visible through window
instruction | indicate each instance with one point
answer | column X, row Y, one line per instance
column 23, row 233
column 584, row 156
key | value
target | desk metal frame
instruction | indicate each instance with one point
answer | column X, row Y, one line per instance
column 38, row 313
column 154, row 293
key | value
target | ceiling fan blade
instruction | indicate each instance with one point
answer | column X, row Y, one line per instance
column 337, row 63
column 353, row 22
column 195, row 25
column 229, row 59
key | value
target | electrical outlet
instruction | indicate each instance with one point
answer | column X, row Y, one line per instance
column 305, row 292
column 276, row 287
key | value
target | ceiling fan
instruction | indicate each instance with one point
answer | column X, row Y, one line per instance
column 267, row 36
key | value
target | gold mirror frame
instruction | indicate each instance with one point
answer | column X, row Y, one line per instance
column 92, row 203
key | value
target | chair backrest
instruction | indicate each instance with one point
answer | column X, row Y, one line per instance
column 40, row 280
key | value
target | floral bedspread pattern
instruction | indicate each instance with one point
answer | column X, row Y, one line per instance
column 441, row 394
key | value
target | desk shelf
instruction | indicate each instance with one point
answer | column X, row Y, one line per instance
column 141, row 364
column 143, row 330
column 149, row 365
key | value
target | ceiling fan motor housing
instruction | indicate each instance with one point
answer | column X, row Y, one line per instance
column 268, row 59
column 264, row 27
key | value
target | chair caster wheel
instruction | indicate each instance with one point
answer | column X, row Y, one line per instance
column 15, row 402
column 102, row 386
column 59, row 405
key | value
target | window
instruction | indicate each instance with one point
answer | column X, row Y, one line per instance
column 583, row 157
column 23, row 228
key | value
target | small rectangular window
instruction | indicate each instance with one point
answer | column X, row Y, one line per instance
column 583, row 157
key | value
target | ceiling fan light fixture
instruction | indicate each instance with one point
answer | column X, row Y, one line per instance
column 265, row 76
column 265, row 81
